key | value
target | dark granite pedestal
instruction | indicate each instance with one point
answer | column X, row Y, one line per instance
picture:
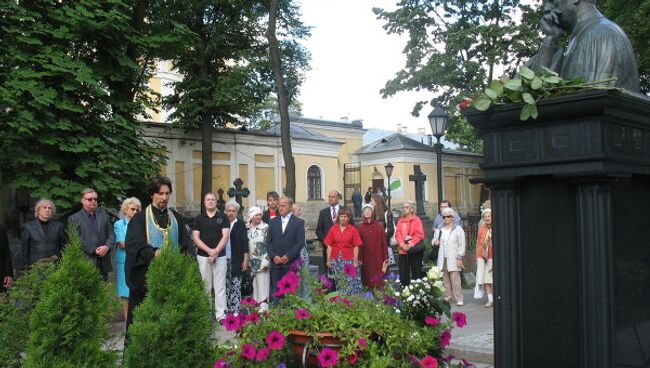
column 571, row 208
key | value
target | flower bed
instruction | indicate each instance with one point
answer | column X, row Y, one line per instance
column 389, row 328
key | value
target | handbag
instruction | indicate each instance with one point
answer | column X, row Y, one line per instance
column 418, row 248
column 247, row 283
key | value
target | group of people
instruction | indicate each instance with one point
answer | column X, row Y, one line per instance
column 265, row 245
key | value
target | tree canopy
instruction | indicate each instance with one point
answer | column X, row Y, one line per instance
column 455, row 47
column 72, row 84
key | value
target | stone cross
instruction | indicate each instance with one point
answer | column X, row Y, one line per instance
column 239, row 193
column 419, row 178
column 221, row 203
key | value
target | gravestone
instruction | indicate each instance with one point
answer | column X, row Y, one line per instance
column 419, row 178
column 221, row 203
column 239, row 192
column 570, row 196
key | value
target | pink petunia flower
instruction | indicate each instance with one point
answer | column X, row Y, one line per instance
column 231, row 323
column 275, row 340
column 350, row 270
column 346, row 301
column 262, row 354
column 429, row 362
column 302, row 314
column 327, row 283
column 459, row 318
column 253, row 318
column 288, row 284
column 363, row 343
column 221, row 363
column 248, row 301
column 352, row 359
column 431, row 321
column 248, row 352
column 295, row 266
column 328, row 357
column 445, row 338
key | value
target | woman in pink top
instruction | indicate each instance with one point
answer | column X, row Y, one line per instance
column 409, row 233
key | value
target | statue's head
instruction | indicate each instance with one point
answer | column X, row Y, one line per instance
column 567, row 10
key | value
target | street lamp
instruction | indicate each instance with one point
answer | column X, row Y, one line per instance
column 389, row 172
column 438, row 119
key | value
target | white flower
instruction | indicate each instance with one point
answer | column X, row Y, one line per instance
column 438, row 284
column 396, row 310
column 406, row 293
column 410, row 298
column 434, row 273
column 397, row 294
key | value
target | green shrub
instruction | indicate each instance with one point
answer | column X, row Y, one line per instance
column 15, row 310
column 172, row 326
column 70, row 321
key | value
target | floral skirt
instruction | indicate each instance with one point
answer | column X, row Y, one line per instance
column 338, row 271
column 233, row 290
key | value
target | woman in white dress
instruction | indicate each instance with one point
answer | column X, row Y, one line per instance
column 259, row 260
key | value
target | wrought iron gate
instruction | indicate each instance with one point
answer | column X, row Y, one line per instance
column 351, row 180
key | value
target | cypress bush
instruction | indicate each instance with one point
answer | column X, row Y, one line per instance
column 70, row 322
column 15, row 310
column 172, row 326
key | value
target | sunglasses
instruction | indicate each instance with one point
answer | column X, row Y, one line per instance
column 448, row 216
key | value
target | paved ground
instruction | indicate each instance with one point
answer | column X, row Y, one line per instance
column 474, row 342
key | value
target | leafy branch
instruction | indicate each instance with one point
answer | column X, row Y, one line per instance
column 529, row 88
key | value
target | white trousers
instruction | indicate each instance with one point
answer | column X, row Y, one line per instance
column 261, row 288
column 214, row 277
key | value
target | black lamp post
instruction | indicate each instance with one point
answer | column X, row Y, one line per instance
column 438, row 119
column 389, row 172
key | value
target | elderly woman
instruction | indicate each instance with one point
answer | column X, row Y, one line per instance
column 450, row 256
column 259, row 259
column 374, row 253
column 343, row 242
column 409, row 235
column 236, row 257
column 42, row 237
column 484, row 254
column 129, row 208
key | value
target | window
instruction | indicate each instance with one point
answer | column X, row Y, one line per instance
column 314, row 183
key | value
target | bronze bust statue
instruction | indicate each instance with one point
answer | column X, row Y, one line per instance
column 598, row 49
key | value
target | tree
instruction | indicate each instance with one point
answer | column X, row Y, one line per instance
column 632, row 16
column 225, row 67
column 69, row 324
column 455, row 47
column 72, row 85
column 172, row 326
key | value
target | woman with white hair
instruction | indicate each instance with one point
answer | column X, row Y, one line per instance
column 42, row 237
column 236, row 257
column 259, row 259
column 484, row 254
column 130, row 207
column 450, row 256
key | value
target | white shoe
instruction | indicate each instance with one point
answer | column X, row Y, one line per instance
column 460, row 303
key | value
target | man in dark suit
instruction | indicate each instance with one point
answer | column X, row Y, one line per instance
column 285, row 239
column 95, row 231
column 327, row 217
column 6, row 269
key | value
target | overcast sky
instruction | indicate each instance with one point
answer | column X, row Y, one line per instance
column 352, row 58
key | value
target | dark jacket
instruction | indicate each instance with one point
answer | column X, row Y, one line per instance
column 37, row 245
column 288, row 243
column 139, row 253
column 6, row 266
column 266, row 217
column 238, row 247
column 90, row 239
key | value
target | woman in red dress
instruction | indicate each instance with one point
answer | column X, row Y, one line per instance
column 374, row 253
column 343, row 244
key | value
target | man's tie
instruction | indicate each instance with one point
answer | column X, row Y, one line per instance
column 333, row 214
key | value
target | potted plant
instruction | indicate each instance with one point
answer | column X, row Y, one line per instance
column 388, row 328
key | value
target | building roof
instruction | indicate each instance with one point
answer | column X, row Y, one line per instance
column 374, row 134
column 399, row 142
column 394, row 142
column 299, row 132
column 354, row 124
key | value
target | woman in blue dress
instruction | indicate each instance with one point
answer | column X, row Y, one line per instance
column 129, row 208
